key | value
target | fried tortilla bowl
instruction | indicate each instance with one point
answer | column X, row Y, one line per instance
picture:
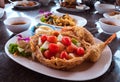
column 92, row 50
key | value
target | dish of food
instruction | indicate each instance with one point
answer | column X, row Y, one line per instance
column 59, row 19
column 114, row 14
column 73, row 6
column 81, row 71
column 26, row 4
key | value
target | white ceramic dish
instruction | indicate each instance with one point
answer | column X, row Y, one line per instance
column 107, row 28
column 80, row 21
column 103, row 8
column 1, row 12
column 17, row 28
column 86, row 71
column 25, row 7
column 107, row 15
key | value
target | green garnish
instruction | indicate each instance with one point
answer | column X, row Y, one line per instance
column 43, row 19
column 74, row 41
column 13, row 48
column 42, row 49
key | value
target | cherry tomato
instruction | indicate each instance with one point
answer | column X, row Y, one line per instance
column 64, row 55
column 54, row 48
column 47, row 54
column 66, row 41
column 52, row 39
column 80, row 51
column 71, row 48
column 56, row 33
column 43, row 38
column 61, row 46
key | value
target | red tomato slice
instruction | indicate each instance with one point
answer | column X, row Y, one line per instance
column 47, row 54
column 66, row 41
column 64, row 55
column 52, row 39
column 54, row 48
column 80, row 51
column 43, row 38
column 71, row 48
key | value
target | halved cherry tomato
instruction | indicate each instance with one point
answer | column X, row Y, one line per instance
column 66, row 41
column 43, row 38
column 61, row 46
column 47, row 54
column 64, row 55
column 52, row 39
column 56, row 33
column 71, row 48
column 54, row 48
column 80, row 51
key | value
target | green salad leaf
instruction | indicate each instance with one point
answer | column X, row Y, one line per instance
column 13, row 48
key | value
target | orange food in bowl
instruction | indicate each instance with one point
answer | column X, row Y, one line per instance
column 110, row 23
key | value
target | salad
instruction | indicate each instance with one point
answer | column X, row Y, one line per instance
column 64, row 20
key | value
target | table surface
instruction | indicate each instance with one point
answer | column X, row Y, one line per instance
column 11, row 71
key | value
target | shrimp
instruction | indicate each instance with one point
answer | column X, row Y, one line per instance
column 95, row 50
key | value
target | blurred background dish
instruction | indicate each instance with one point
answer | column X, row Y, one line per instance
column 77, row 9
column 1, row 12
column 17, row 24
column 77, row 20
column 114, row 14
column 26, row 4
column 44, row 2
column 73, row 5
column 103, row 8
column 109, row 25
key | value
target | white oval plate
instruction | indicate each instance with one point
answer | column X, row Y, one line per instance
column 80, row 21
column 86, row 71
column 1, row 12
column 27, row 7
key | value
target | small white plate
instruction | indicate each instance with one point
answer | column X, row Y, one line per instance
column 1, row 12
column 86, row 71
column 80, row 21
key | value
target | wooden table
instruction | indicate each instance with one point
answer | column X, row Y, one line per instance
column 11, row 71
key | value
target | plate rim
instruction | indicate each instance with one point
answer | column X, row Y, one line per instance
column 47, row 74
column 75, row 10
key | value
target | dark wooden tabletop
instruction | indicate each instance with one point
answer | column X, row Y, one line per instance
column 10, row 71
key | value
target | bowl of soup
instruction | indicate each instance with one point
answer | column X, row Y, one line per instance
column 17, row 24
column 109, row 25
column 103, row 8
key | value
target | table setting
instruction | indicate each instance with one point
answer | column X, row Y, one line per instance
column 59, row 42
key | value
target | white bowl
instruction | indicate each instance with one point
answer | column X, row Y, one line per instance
column 113, row 14
column 107, row 28
column 103, row 8
column 12, row 24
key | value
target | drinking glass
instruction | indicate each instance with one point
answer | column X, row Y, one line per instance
column 117, row 5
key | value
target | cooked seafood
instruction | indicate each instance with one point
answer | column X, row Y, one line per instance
column 92, row 51
column 63, row 50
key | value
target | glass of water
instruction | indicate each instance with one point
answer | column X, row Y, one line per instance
column 117, row 5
